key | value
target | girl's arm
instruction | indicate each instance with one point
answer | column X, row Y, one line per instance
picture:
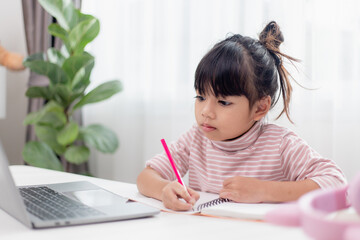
column 252, row 190
column 161, row 186
column 151, row 184
column 300, row 162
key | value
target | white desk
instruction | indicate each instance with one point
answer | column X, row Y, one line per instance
column 167, row 226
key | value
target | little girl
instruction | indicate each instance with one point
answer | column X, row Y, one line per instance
column 232, row 151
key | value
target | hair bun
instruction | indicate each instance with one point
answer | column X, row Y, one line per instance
column 271, row 37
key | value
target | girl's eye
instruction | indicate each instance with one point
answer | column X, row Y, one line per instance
column 224, row 103
column 200, row 98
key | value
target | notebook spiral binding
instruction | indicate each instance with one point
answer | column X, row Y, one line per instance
column 212, row 203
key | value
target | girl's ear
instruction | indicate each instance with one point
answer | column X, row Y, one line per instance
column 262, row 107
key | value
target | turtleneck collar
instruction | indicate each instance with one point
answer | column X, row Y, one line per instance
column 243, row 142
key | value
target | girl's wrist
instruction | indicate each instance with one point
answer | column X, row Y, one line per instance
column 266, row 192
column 269, row 191
column 287, row 191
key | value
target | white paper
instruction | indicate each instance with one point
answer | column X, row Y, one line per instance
column 204, row 197
column 227, row 209
column 240, row 210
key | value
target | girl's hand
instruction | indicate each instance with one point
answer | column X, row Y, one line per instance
column 172, row 193
column 244, row 189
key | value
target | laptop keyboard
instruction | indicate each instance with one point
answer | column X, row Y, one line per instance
column 48, row 204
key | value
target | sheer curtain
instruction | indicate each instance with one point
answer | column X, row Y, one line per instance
column 154, row 46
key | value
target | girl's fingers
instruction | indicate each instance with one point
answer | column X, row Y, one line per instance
column 185, row 194
column 177, row 204
column 195, row 195
column 227, row 195
column 177, row 198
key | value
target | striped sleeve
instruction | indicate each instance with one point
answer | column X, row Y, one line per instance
column 301, row 162
column 180, row 151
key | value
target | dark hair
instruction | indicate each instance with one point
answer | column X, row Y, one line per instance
column 241, row 65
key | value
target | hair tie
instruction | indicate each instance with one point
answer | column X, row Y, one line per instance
column 277, row 59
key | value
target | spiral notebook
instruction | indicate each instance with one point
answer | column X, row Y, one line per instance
column 225, row 208
column 211, row 205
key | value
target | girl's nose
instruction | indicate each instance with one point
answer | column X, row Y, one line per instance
column 208, row 111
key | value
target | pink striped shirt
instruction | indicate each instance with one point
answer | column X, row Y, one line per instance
column 266, row 151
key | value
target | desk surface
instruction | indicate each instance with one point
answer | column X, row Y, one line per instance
column 162, row 226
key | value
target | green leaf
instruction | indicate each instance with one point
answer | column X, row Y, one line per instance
column 75, row 63
column 35, row 117
column 38, row 92
column 48, row 135
column 55, row 119
column 68, row 134
column 83, row 17
column 83, row 33
column 35, row 57
column 51, row 70
column 57, row 31
column 100, row 137
column 53, row 115
column 53, row 106
column 62, row 10
column 102, row 92
column 62, row 94
column 39, row 154
column 77, row 154
column 76, row 95
column 82, row 78
column 55, row 56
column 64, row 51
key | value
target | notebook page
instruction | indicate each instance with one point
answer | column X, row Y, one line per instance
column 228, row 209
column 240, row 210
column 204, row 197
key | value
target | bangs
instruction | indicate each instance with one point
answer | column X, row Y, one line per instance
column 225, row 71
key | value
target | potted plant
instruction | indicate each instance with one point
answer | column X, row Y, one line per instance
column 60, row 138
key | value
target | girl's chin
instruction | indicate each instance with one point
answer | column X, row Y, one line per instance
column 213, row 137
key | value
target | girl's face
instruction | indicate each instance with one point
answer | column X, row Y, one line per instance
column 223, row 118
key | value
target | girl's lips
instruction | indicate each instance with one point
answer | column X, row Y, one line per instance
column 207, row 128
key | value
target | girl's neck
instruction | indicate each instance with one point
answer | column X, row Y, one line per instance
column 231, row 139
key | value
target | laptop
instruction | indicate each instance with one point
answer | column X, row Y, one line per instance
column 64, row 204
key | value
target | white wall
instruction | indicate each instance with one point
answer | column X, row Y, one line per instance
column 153, row 47
column 125, row 166
column 12, row 37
